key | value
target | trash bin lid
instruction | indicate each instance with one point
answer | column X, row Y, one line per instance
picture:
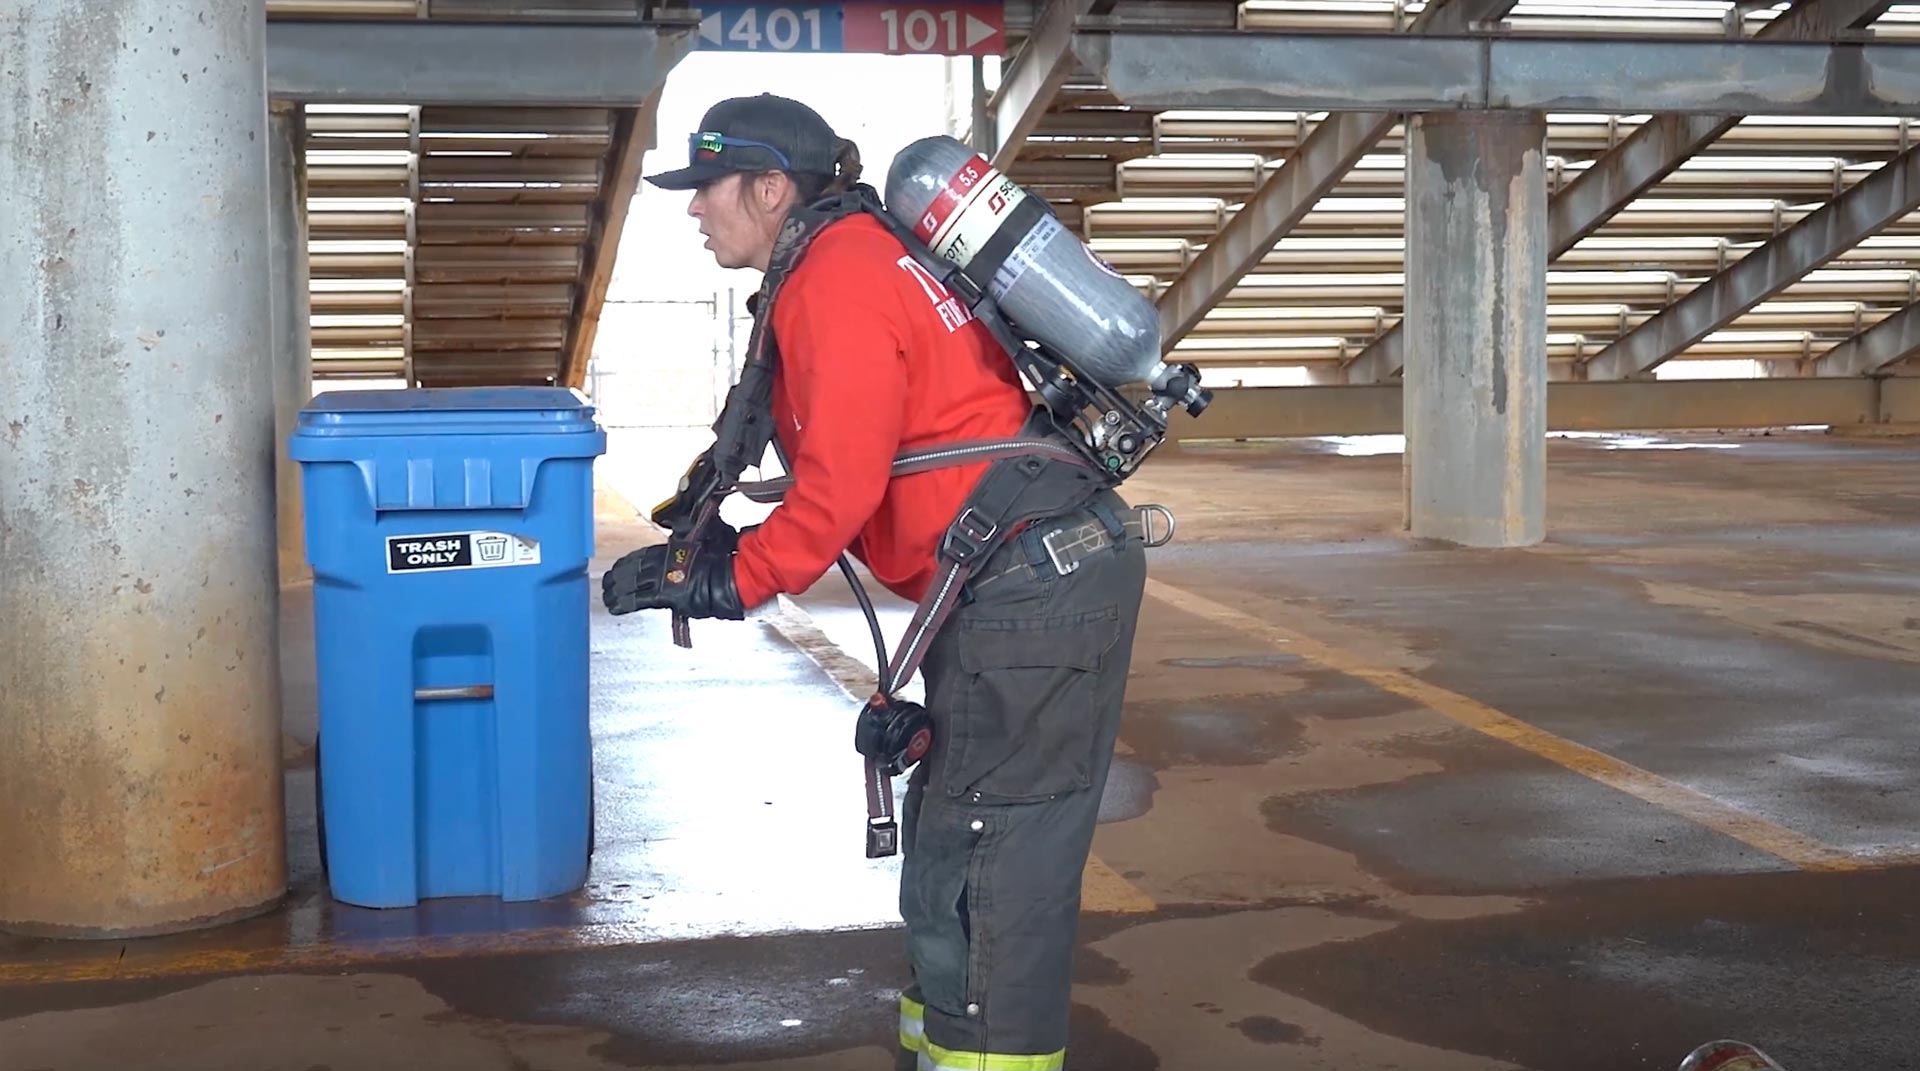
column 447, row 447
column 441, row 411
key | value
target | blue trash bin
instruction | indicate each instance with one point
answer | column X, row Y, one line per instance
column 449, row 532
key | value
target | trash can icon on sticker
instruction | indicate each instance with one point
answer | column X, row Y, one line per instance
column 492, row 548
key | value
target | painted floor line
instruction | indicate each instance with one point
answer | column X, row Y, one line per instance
column 110, row 965
column 1102, row 889
column 1776, row 840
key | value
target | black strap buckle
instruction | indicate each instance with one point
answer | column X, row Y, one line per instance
column 962, row 283
column 883, row 839
column 968, row 535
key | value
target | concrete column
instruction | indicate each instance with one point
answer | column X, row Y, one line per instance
column 292, row 347
column 139, row 714
column 1476, row 328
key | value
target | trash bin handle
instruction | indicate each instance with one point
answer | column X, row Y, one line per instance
column 471, row 691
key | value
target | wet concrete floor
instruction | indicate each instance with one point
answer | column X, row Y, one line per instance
column 1379, row 804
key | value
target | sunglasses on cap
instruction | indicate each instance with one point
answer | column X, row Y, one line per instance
column 708, row 144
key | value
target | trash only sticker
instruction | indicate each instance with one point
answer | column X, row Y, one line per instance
column 459, row 550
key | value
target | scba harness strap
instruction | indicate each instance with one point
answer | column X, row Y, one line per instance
column 1031, row 477
column 744, row 428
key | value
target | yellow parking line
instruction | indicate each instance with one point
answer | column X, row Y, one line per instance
column 1104, row 891
column 112, row 965
column 1796, row 848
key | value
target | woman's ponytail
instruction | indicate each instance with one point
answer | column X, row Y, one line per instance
column 846, row 167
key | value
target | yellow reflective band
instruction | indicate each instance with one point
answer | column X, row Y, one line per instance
column 935, row 1058
column 913, row 1024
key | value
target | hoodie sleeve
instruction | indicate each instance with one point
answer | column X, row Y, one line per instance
column 841, row 335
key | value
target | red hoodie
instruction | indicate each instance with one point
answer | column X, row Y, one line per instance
column 875, row 357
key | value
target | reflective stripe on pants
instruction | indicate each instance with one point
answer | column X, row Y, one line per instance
column 913, row 1024
column 935, row 1058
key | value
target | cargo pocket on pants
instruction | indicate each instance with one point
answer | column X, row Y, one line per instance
column 1025, row 716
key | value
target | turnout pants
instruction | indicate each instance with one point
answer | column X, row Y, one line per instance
column 1024, row 684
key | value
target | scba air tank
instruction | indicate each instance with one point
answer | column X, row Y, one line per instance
column 1049, row 284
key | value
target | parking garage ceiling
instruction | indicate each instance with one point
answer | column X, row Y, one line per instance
column 467, row 240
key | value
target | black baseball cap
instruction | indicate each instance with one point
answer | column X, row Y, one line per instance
column 752, row 134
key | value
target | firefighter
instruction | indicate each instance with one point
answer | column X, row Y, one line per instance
column 1024, row 681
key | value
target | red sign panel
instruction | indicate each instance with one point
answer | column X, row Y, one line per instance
column 962, row 29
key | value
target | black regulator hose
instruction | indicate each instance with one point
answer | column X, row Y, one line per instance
column 859, row 595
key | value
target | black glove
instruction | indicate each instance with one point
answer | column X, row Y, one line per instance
column 700, row 586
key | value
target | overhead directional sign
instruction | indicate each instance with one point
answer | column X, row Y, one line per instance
column 933, row 29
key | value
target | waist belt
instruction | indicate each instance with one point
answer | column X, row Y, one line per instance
column 926, row 459
column 1064, row 547
column 1068, row 546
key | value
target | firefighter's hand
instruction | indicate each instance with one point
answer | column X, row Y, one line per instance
column 692, row 581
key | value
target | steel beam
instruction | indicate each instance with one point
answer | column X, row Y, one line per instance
column 1839, row 225
column 1820, row 20
column 1665, row 142
column 1160, row 68
column 1648, row 155
column 1314, row 168
column 1612, row 183
column 440, row 62
column 634, row 135
column 292, row 352
column 980, row 133
column 1886, row 343
column 1028, row 86
column 1385, row 356
column 1296, row 412
column 1645, row 405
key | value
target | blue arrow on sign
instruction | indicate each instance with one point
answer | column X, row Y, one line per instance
column 750, row 27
